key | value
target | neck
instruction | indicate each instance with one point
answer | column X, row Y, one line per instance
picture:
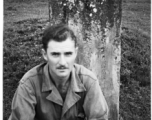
column 60, row 81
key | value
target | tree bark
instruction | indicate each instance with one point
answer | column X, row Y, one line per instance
column 50, row 10
column 97, row 25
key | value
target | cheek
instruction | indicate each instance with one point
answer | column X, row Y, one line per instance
column 52, row 61
column 71, row 60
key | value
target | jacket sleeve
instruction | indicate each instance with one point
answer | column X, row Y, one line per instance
column 23, row 104
column 95, row 105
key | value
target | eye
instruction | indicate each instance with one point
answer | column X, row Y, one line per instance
column 55, row 54
column 68, row 53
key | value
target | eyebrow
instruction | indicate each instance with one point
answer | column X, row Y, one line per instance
column 64, row 52
column 55, row 53
column 68, row 52
column 60, row 53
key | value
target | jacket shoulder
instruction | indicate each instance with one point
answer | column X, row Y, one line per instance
column 83, row 72
column 86, row 76
column 33, row 72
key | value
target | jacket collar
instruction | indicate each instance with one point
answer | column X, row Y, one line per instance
column 47, row 85
column 71, row 98
column 75, row 87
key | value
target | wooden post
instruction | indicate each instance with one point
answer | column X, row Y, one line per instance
column 50, row 10
column 54, row 10
column 97, row 25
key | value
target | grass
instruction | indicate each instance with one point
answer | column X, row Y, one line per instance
column 23, row 26
column 136, row 15
column 135, row 77
column 14, row 12
column 135, row 67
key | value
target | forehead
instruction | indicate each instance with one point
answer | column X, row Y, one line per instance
column 67, row 45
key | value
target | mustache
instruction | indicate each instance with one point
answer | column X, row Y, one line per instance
column 62, row 67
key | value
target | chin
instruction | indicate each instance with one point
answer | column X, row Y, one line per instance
column 62, row 74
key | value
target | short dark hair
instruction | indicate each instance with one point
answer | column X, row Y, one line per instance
column 59, row 33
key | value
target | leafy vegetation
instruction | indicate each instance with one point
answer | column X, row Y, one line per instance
column 135, row 63
column 22, row 45
column 135, row 76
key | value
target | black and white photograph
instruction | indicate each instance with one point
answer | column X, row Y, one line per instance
column 76, row 60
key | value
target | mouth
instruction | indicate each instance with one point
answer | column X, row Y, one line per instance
column 62, row 69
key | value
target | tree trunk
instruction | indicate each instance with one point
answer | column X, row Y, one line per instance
column 50, row 10
column 97, row 25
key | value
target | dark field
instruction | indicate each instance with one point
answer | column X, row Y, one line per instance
column 23, row 26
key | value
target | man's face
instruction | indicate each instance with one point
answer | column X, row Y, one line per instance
column 60, row 57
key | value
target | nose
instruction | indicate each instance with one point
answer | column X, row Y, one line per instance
column 62, row 60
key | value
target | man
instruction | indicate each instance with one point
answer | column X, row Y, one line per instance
column 59, row 89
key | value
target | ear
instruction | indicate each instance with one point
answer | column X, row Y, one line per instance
column 44, row 54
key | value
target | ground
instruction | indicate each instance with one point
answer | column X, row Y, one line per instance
column 24, row 22
column 135, row 64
